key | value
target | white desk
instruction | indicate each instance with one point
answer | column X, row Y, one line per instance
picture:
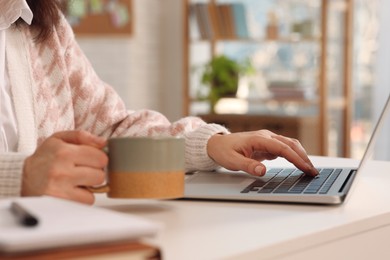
column 358, row 229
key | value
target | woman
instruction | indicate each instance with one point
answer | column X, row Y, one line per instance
column 58, row 114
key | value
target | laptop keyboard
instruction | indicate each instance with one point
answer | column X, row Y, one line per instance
column 294, row 181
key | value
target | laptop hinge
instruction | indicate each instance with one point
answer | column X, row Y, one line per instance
column 347, row 180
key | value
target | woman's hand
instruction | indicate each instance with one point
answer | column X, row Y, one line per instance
column 245, row 151
column 64, row 165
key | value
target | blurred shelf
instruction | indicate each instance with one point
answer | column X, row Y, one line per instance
column 323, row 41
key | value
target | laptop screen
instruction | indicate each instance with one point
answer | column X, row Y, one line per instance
column 379, row 144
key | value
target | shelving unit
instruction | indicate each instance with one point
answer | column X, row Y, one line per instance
column 328, row 48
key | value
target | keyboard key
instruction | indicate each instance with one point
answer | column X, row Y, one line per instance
column 330, row 181
column 275, row 182
column 261, row 181
column 293, row 181
column 301, row 184
column 255, row 186
column 289, row 182
column 318, row 181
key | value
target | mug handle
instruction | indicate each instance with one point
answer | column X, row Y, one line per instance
column 104, row 188
column 100, row 189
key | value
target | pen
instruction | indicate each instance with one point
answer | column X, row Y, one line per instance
column 23, row 216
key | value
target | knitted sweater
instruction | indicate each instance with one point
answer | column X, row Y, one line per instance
column 54, row 88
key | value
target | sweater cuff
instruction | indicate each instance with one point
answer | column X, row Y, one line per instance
column 11, row 171
column 196, row 157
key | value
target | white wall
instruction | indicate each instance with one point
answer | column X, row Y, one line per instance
column 172, row 49
column 111, row 59
column 382, row 86
column 145, row 69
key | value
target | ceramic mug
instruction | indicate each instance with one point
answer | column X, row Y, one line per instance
column 144, row 167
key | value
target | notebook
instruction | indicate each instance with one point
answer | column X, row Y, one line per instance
column 65, row 223
column 288, row 185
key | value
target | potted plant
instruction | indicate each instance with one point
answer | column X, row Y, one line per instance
column 221, row 74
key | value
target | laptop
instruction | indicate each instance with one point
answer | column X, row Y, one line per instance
column 284, row 185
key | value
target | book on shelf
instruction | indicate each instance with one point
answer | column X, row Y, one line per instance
column 228, row 19
column 219, row 21
column 201, row 18
column 290, row 90
column 214, row 21
column 194, row 28
column 240, row 20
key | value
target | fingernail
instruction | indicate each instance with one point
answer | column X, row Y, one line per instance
column 311, row 169
column 314, row 171
column 259, row 170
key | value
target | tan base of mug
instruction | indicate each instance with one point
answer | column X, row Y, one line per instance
column 165, row 185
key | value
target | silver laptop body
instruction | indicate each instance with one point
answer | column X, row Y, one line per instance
column 290, row 185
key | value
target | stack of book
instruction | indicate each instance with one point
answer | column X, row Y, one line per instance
column 290, row 90
column 218, row 21
column 69, row 230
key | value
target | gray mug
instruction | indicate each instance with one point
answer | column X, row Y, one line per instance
column 144, row 167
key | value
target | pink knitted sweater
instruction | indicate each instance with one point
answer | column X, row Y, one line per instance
column 54, row 88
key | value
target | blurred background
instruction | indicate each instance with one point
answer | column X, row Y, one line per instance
column 316, row 70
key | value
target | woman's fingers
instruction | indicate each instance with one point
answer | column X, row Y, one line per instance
column 296, row 146
column 244, row 151
column 249, row 165
column 81, row 138
column 82, row 195
column 287, row 149
column 63, row 164
column 78, row 194
column 89, row 156
column 261, row 156
column 86, row 176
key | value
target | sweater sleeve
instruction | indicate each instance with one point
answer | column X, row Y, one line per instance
column 194, row 130
column 11, row 168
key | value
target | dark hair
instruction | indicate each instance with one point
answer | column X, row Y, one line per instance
column 47, row 14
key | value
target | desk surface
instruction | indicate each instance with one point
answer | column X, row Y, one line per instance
column 234, row 230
